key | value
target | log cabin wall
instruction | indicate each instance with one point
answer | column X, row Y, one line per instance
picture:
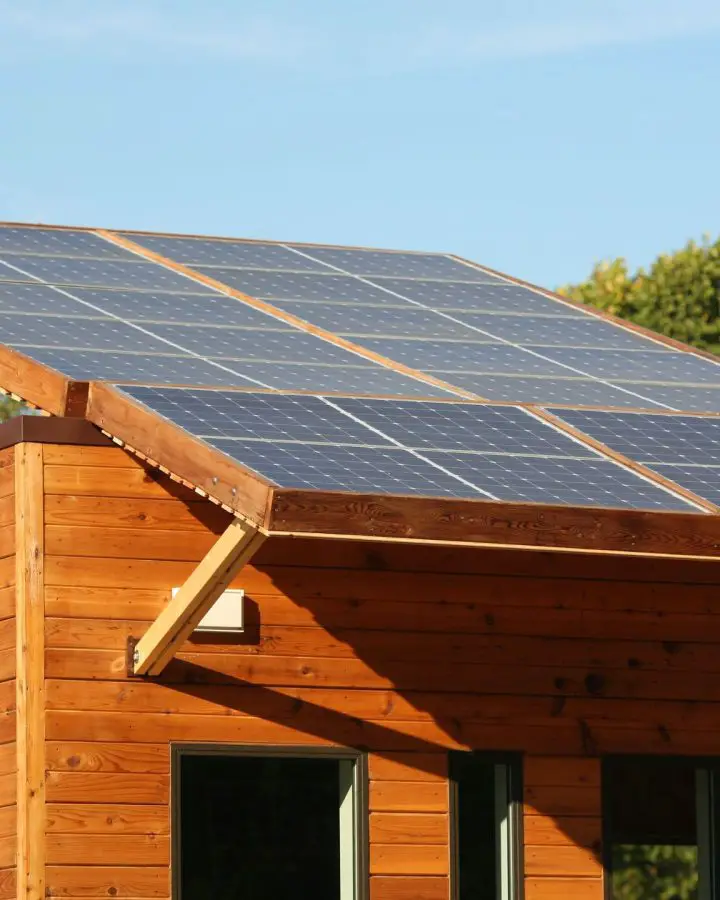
column 405, row 651
column 8, row 759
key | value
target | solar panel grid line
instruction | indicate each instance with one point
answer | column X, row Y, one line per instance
column 499, row 339
column 413, row 452
column 295, row 321
column 621, row 459
column 139, row 328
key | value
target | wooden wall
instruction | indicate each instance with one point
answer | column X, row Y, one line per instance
column 8, row 761
column 405, row 651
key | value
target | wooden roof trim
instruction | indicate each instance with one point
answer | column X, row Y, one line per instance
column 179, row 454
column 623, row 460
column 490, row 523
column 284, row 316
column 594, row 311
column 38, row 385
column 50, row 430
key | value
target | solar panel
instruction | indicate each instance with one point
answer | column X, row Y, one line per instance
column 540, row 331
column 457, row 356
column 363, row 378
column 702, row 480
column 298, row 285
column 373, row 470
column 265, row 345
column 687, row 399
column 649, row 438
column 266, row 417
column 571, row 389
column 130, row 366
column 497, row 296
column 660, row 364
column 77, row 332
column 579, row 482
column 395, row 263
column 59, row 242
column 463, row 426
column 243, row 254
column 160, row 306
column 97, row 272
column 29, row 299
column 347, row 319
column 356, row 445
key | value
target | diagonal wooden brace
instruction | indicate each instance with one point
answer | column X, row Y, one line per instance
column 178, row 620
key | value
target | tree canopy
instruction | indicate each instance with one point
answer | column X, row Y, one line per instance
column 679, row 295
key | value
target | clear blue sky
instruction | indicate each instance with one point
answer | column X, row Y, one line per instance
column 535, row 136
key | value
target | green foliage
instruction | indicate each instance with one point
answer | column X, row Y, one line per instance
column 679, row 295
column 9, row 408
column 654, row 872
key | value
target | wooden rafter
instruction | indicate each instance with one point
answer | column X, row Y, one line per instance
column 41, row 386
column 206, row 583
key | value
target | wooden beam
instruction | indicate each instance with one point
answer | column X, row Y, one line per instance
column 30, row 677
column 207, row 582
column 492, row 523
column 49, row 390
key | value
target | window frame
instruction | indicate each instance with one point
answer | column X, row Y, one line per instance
column 509, row 862
column 708, row 857
column 357, row 842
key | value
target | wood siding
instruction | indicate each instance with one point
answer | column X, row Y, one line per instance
column 8, row 753
column 405, row 651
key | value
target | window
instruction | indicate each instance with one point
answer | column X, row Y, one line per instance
column 659, row 818
column 253, row 824
column 486, row 813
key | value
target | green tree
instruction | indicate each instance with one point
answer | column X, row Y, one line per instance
column 9, row 408
column 679, row 295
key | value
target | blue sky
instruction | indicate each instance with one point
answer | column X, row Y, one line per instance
column 536, row 136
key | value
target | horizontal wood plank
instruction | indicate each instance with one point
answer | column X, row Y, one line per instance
column 412, row 828
column 79, row 756
column 566, row 860
column 553, row 830
column 107, row 787
column 409, row 859
column 564, row 889
column 561, row 771
column 107, row 818
column 108, row 850
column 120, row 882
column 408, row 796
column 568, row 800
column 409, row 888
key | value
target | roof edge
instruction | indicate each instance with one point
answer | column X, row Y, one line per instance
column 493, row 524
column 51, row 430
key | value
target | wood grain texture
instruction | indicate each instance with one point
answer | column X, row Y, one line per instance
column 38, row 384
column 30, row 681
column 409, row 888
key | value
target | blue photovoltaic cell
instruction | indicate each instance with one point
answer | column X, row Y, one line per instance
column 702, row 480
column 102, row 273
column 457, row 295
column 463, row 426
column 328, row 467
column 195, row 309
column 37, row 299
column 129, row 366
column 346, row 379
column 453, row 356
column 582, row 482
column 639, row 365
column 573, row 390
column 256, row 344
column 58, row 242
column 394, row 263
column 245, row 254
column 345, row 319
column 267, row 417
column 649, row 438
column 554, row 332
column 685, row 399
column 79, row 333
column 298, row 285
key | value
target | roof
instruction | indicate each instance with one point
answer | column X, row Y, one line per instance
column 301, row 385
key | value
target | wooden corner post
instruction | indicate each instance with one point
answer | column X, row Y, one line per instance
column 206, row 583
column 30, row 671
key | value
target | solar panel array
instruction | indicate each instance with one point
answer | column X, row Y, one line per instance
column 385, row 344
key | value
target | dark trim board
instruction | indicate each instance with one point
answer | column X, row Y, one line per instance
column 51, row 430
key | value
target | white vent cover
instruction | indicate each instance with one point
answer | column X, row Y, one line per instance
column 226, row 613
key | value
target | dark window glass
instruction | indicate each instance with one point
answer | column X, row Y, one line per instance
column 259, row 828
